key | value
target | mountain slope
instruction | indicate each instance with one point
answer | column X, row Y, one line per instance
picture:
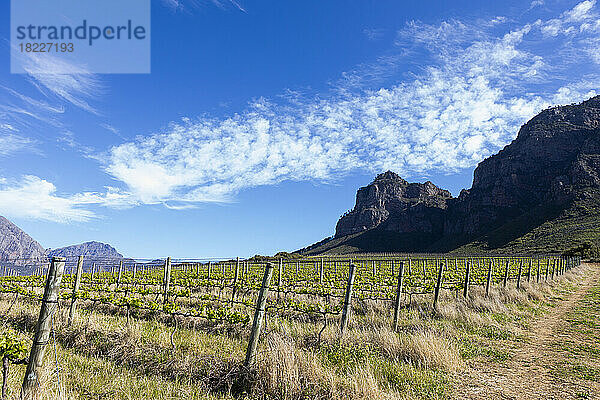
column 541, row 193
column 94, row 250
column 17, row 247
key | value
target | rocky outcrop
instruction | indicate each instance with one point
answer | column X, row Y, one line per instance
column 94, row 250
column 554, row 155
column 553, row 162
column 17, row 247
column 393, row 204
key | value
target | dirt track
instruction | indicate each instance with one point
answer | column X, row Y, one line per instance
column 541, row 367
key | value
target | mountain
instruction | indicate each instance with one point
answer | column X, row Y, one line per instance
column 541, row 193
column 22, row 253
column 93, row 252
column 16, row 247
column 393, row 204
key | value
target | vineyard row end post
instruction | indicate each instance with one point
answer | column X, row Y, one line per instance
column 236, row 274
column 398, row 296
column 120, row 275
column 259, row 314
column 76, row 289
column 31, row 382
column 467, row 276
column 519, row 276
column 347, row 300
column 167, row 281
column 489, row 279
column 438, row 285
column 280, row 272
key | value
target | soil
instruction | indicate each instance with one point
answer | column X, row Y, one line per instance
column 543, row 365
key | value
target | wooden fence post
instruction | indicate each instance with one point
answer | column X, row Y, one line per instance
column 398, row 296
column 120, row 273
column 76, row 288
column 438, row 285
column 505, row 281
column 519, row 276
column 347, row 300
column 538, row 270
column 167, row 280
column 235, row 279
column 280, row 272
column 209, row 269
column 259, row 314
column 529, row 271
column 489, row 279
column 31, row 383
column 321, row 271
column 547, row 268
column 467, row 276
column 134, row 271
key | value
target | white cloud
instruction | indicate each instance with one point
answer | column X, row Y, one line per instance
column 498, row 20
column 67, row 81
column 58, row 83
column 36, row 198
column 374, row 33
column 580, row 12
column 577, row 19
column 178, row 5
column 11, row 143
column 464, row 106
column 536, row 3
column 112, row 129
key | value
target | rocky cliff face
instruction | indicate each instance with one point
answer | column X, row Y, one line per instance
column 553, row 162
column 554, row 155
column 17, row 247
column 393, row 204
column 94, row 250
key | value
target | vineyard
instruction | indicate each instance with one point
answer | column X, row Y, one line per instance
column 225, row 291
column 246, row 294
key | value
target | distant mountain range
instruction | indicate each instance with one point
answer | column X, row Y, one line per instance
column 21, row 252
column 16, row 246
column 88, row 249
column 541, row 193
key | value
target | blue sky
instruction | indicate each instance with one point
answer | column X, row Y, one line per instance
column 261, row 119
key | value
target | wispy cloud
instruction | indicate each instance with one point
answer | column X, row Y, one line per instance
column 536, row 3
column 467, row 103
column 67, row 81
column 465, row 100
column 11, row 143
column 374, row 33
column 35, row 198
column 112, row 129
column 180, row 5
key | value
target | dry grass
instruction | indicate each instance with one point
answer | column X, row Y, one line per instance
column 103, row 357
